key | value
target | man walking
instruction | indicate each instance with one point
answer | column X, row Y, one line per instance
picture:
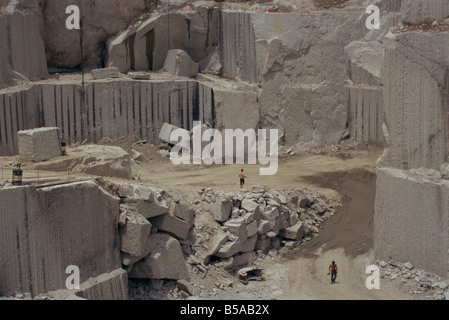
column 333, row 270
column 242, row 178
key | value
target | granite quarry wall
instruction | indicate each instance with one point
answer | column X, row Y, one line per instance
column 329, row 62
column 44, row 230
column 411, row 211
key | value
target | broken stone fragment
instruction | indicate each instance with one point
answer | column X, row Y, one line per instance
column 166, row 132
column 263, row 227
column 221, row 210
column 263, row 244
column 303, row 200
column 236, row 227
column 165, row 262
column 259, row 189
column 179, row 63
column 244, row 258
column 105, row 73
column 215, row 243
column 147, row 247
column 271, row 215
column 172, row 225
column 249, row 244
column 249, row 205
column 229, row 249
column 295, row 232
column 251, row 229
column 152, row 209
column 183, row 212
column 134, row 234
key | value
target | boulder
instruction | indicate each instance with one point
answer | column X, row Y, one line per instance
column 39, row 144
column 216, row 241
column 245, row 258
column 229, row 249
column 263, row 227
column 105, row 73
column 249, row 205
column 251, row 229
column 146, row 248
column 151, row 209
column 166, row 131
column 134, row 235
column 295, row 232
column 249, row 244
column 237, row 227
column 96, row 160
column 183, row 212
column 271, row 215
column 179, row 63
column 259, row 189
column 172, row 225
column 221, row 210
column 165, row 262
column 249, row 217
column 263, row 244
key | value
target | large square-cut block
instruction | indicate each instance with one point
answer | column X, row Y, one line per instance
column 39, row 144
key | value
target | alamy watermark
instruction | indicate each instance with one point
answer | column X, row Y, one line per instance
column 73, row 281
column 73, row 21
column 213, row 152
column 373, row 21
column 373, row 281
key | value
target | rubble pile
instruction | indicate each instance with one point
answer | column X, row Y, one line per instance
column 261, row 220
column 420, row 282
column 164, row 236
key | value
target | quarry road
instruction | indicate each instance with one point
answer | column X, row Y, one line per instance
column 293, row 172
column 347, row 239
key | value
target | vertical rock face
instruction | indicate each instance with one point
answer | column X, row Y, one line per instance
column 46, row 230
column 112, row 109
column 102, row 19
column 145, row 44
column 411, row 210
column 303, row 68
column 411, row 220
column 417, row 11
column 416, row 90
column 4, row 54
column 238, row 46
column 22, row 51
column 17, row 112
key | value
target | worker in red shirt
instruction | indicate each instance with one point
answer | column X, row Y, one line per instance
column 242, row 177
column 333, row 270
